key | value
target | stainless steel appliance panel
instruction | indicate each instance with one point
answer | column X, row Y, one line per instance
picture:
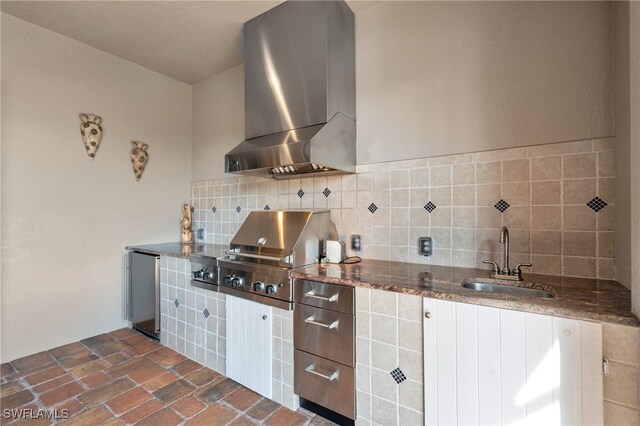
column 246, row 279
column 283, row 72
column 144, row 287
column 326, row 333
column 327, row 296
column 204, row 272
column 325, row 382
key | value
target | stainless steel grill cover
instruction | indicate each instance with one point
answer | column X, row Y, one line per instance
column 283, row 238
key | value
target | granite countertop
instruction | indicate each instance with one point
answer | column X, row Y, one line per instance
column 577, row 298
column 180, row 250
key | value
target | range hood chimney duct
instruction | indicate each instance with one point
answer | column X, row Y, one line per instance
column 299, row 92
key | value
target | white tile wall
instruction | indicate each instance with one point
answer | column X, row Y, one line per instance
column 185, row 328
column 547, row 188
column 389, row 336
column 282, row 369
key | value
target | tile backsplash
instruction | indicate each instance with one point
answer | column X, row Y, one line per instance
column 556, row 199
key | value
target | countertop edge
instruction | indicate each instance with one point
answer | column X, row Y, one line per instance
column 522, row 306
column 152, row 251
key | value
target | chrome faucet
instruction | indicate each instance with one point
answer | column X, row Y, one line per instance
column 506, row 273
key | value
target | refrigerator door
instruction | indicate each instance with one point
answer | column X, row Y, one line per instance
column 145, row 293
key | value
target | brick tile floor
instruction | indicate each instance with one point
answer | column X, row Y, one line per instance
column 123, row 377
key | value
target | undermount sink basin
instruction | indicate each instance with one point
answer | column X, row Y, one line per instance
column 516, row 289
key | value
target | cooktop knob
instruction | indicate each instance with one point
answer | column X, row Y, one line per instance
column 226, row 280
column 237, row 281
column 271, row 289
column 258, row 286
column 197, row 274
column 207, row 275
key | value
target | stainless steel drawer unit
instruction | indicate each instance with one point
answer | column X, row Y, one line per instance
column 324, row 341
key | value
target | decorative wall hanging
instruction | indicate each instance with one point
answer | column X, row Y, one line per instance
column 91, row 132
column 186, row 235
column 139, row 157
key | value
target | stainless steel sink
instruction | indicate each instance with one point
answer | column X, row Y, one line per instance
column 513, row 289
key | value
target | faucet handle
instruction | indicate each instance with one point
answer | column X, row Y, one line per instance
column 496, row 268
column 517, row 268
column 518, row 272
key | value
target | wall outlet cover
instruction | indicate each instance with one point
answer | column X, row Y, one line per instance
column 356, row 242
column 425, row 246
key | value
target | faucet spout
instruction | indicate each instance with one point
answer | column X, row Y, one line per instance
column 504, row 239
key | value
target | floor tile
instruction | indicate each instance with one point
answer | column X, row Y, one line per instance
column 173, row 391
column 186, row 367
column 163, row 417
column 94, row 416
column 188, row 406
column 217, row 390
column 263, row 409
column 284, row 416
column 242, row 399
column 124, row 377
column 106, row 392
column 16, row 399
column 32, row 361
column 214, row 415
column 143, row 411
column 64, row 392
column 128, row 400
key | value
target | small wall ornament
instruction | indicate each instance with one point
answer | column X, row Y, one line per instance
column 139, row 158
column 91, row 132
column 186, row 235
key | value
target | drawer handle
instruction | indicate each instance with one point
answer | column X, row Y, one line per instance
column 312, row 294
column 311, row 320
column 312, row 369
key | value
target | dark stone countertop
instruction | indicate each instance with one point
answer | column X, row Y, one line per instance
column 180, row 250
column 577, row 298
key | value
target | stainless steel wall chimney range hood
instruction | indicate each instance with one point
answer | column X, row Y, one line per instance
column 299, row 91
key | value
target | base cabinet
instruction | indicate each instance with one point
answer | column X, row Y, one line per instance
column 249, row 345
column 495, row 366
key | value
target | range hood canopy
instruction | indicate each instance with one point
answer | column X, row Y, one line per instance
column 299, row 92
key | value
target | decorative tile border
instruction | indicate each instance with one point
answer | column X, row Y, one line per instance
column 557, row 201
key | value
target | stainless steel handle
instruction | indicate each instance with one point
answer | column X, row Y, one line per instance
column 313, row 295
column 311, row 320
column 312, row 369
column 256, row 256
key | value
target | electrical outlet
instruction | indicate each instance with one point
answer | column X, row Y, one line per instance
column 201, row 233
column 425, row 246
column 356, row 242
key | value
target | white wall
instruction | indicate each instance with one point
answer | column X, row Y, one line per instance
column 218, row 122
column 66, row 219
column 448, row 77
column 627, row 134
column 436, row 78
column 634, row 111
column 623, row 147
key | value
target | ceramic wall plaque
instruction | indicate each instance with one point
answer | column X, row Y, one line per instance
column 91, row 132
column 139, row 157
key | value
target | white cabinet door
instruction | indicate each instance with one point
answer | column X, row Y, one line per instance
column 494, row 366
column 249, row 353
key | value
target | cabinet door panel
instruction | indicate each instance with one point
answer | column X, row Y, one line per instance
column 489, row 371
column 495, row 366
column 467, row 363
column 249, row 352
